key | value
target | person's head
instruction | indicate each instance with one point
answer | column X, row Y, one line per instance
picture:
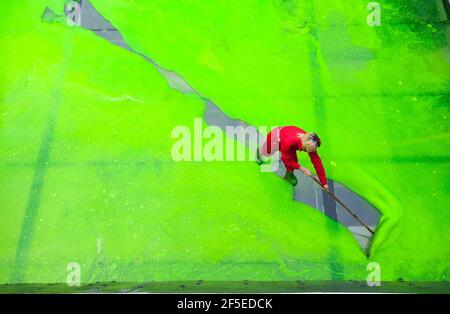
column 311, row 142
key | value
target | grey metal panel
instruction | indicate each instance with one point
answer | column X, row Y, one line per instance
column 366, row 212
column 114, row 37
column 91, row 19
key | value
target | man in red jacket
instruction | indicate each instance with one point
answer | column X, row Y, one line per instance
column 287, row 140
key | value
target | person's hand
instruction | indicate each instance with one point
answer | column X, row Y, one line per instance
column 306, row 171
column 326, row 188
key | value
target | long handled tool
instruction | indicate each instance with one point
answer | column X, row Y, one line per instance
column 342, row 204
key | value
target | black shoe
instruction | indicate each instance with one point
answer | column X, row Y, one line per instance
column 290, row 177
column 259, row 160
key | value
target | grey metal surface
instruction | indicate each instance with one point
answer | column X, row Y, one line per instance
column 92, row 20
column 307, row 191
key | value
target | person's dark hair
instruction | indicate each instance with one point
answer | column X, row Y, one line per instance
column 315, row 138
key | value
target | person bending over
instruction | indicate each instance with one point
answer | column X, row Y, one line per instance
column 288, row 140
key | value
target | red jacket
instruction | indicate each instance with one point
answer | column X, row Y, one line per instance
column 290, row 142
